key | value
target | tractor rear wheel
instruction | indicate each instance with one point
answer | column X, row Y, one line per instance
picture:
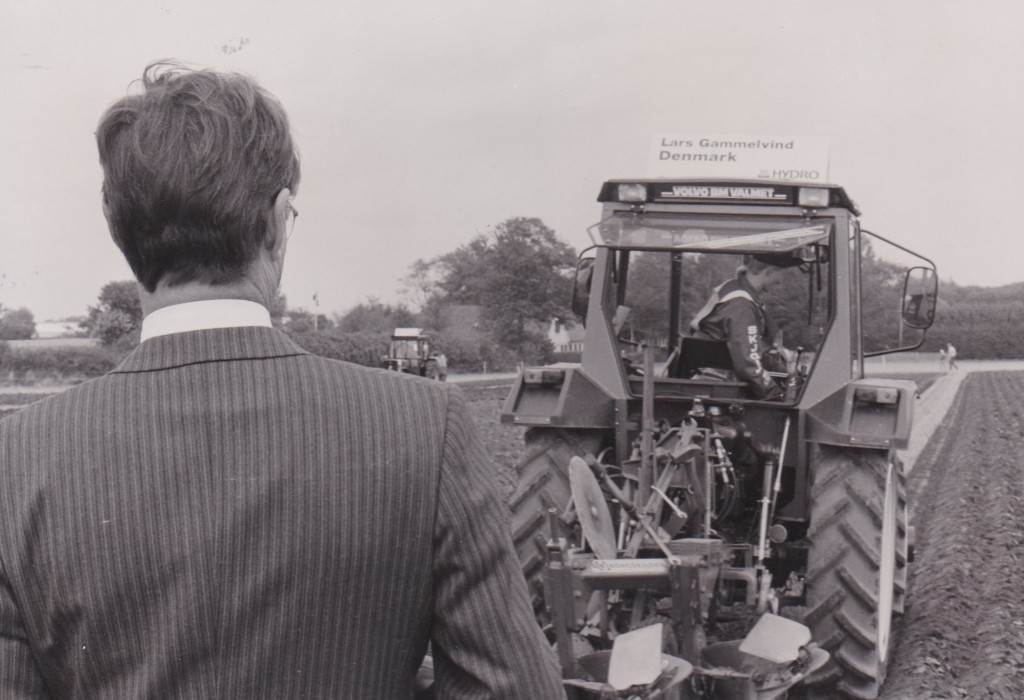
column 543, row 483
column 899, row 600
column 856, row 568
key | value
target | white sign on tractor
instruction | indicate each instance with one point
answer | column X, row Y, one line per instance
column 793, row 158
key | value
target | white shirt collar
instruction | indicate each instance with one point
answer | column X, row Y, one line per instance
column 202, row 315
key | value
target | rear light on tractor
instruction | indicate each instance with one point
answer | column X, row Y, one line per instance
column 632, row 193
column 813, row 197
column 876, row 394
column 537, row 375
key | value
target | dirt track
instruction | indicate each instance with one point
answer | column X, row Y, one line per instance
column 963, row 633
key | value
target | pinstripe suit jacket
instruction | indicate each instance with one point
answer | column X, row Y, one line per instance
column 227, row 516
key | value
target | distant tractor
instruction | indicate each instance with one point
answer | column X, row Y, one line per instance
column 410, row 351
column 657, row 489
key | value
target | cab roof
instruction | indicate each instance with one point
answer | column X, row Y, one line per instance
column 407, row 333
column 724, row 191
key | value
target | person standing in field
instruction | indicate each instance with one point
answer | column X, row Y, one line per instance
column 225, row 515
column 951, row 356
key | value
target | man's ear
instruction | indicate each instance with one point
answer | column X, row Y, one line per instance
column 277, row 231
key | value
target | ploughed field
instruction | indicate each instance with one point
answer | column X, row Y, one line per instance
column 963, row 632
column 503, row 442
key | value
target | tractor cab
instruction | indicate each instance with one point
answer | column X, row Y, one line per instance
column 662, row 248
column 410, row 351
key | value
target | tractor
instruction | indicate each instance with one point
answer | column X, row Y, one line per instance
column 765, row 539
column 410, row 351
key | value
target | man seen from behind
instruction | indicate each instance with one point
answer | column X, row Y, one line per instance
column 225, row 515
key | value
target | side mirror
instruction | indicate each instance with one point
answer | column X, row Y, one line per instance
column 581, row 286
column 920, row 292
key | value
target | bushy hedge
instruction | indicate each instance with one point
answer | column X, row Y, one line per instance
column 980, row 330
column 60, row 363
column 465, row 354
column 365, row 348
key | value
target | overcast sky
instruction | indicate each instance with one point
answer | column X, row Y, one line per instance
column 422, row 124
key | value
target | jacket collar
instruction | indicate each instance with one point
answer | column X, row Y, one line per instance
column 212, row 345
column 203, row 314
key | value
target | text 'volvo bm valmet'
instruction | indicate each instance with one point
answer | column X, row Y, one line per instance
column 715, row 486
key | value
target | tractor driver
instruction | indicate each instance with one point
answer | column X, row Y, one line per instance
column 734, row 314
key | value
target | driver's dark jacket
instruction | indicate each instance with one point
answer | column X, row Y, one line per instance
column 734, row 314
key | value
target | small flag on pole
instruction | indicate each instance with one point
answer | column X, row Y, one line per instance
column 316, row 298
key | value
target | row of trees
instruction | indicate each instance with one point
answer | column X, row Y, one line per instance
column 488, row 303
column 519, row 276
column 516, row 278
column 511, row 283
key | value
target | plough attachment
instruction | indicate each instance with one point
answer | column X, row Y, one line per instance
column 630, row 611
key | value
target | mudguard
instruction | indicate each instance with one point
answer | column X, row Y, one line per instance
column 871, row 412
column 566, row 398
